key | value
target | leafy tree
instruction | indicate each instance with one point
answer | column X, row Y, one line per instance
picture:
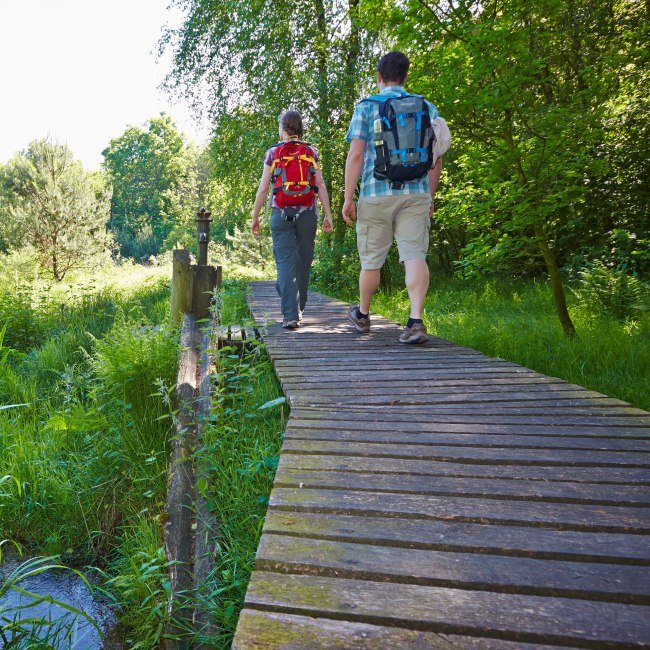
column 247, row 62
column 155, row 184
column 547, row 102
column 528, row 88
column 51, row 203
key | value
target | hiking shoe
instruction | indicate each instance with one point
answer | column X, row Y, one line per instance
column 362, row 324
column 414, row 335
column 290, row 324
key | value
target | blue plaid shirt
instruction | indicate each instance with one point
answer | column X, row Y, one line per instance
column 362, row 128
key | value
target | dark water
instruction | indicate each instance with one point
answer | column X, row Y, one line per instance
column 71, row 631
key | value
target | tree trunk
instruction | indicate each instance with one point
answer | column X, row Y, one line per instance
column 556, row 281
column 349, row 98
column 555, row 278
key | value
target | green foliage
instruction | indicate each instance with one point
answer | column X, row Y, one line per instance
column 155, row 178
column 85, row 441
column 241, row 447
column 131, row 359
column 51, row 203
column 141, row 584
column 611, row 292
column 256, row 60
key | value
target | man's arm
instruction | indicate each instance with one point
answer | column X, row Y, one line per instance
column 434, row 179
column 260, row 198
column 353, row 167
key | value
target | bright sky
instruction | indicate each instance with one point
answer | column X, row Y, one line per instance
column 80, row 71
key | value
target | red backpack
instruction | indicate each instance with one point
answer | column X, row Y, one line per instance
column 294, row 174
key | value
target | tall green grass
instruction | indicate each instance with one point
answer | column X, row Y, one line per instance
column 241, row 447
column 86, row 371
column 516, row 320
column 83, row 436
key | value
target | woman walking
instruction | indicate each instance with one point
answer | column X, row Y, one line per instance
column 291, row 166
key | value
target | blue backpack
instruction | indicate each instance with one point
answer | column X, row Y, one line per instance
column 403, row 138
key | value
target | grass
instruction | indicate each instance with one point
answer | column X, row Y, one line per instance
column 83, row 437
column 85, row 373
column 241, row 448
column 516, row 320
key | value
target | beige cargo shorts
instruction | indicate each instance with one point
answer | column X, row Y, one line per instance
column 380, row 218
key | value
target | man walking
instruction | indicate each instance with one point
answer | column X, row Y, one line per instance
column 396, row 143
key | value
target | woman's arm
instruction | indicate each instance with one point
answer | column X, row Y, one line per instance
column 260, row 198
column 325, row 201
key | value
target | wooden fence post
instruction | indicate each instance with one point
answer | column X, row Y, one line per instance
column 181, row 297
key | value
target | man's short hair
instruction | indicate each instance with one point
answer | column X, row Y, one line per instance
column 291, row 122
column 393, row 66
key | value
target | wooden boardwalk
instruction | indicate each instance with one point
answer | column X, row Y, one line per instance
column 432, row 497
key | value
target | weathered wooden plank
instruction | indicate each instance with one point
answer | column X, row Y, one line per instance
column 486, row 371
column 521, row 541
column 264, row 630
column 236, row 333
column 375, row 361
column 533, row 619
column 470, row 454
column 453, row 386
column 495, row 405
column 394, row 372
column 361, row 561
column 589, row 474
column 557, row 491
column 330, row 420
column 359, row 413
column 469, row 439
column 473, row 510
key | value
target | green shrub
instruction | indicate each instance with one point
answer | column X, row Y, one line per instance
column 140, row 583
column 610, row 292
column 131, row 359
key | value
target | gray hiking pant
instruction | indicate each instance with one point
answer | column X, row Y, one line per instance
column 293, row 250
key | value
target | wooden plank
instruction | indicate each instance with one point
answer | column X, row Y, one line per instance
column 404, row 423
column 479, row 455
column 375, row 361
column 492, row 405
column 469, row 439
column 425, row 414
column 472, row 510
column 265, row 630
column 557, row 491
column 394, row 371
column 236, row 334
column 487, row 371
column 453, row 386
column 521, row 541
column 485, row 572
column 249, row 331
column 415, row 466
column 533, row 619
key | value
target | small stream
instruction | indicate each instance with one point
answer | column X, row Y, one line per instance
column 70, row 631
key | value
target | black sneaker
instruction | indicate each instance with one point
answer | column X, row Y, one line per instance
column 361, row 324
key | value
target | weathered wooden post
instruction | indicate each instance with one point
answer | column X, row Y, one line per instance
column 206, row 277
column 181, row 285
column 193, row 284
column 191, row 295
